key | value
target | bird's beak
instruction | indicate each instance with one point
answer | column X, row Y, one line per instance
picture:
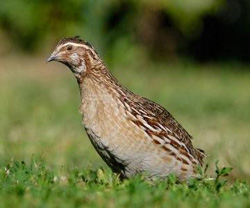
column 51, row 58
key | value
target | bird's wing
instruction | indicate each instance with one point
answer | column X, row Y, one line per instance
column 163, row 117
column 156, row 115
column 157, row 121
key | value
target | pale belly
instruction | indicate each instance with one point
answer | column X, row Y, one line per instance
column 128, row 150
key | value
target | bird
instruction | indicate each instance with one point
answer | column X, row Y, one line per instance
column 132, row 134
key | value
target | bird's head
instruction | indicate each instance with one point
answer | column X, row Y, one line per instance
column 75, row 53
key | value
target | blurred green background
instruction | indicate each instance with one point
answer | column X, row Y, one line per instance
column 202, row 30
column 190, row 56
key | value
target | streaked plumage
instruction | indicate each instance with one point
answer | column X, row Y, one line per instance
column 131, row 133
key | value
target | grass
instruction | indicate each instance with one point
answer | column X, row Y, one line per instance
column 47, row 160
column 34, row 184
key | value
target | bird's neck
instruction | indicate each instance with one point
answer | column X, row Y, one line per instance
column 98, row 84
column 100, row 98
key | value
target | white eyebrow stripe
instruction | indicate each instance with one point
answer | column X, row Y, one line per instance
column 93, row 52
column 74, row 44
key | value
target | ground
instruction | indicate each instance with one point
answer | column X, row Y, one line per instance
column 47, row 159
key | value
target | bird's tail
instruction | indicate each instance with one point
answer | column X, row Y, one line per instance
column 200, row 155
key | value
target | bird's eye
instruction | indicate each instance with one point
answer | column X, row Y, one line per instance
column 69, row 48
